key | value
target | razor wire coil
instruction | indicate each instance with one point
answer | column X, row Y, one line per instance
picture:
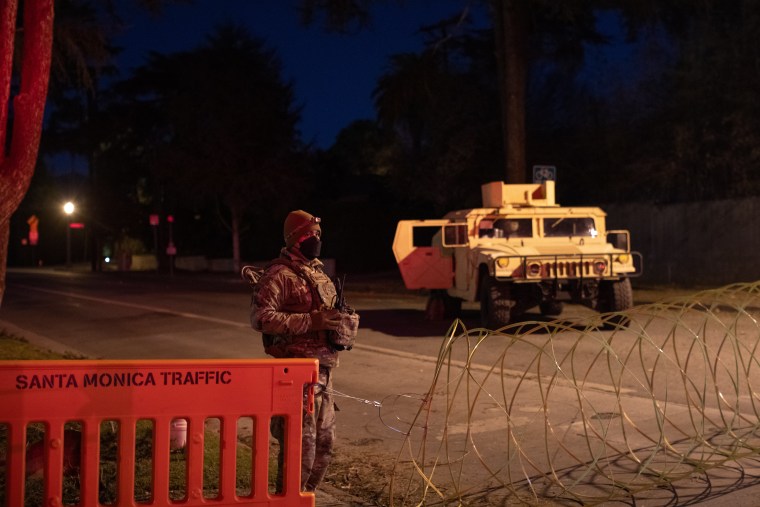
column 586, row 412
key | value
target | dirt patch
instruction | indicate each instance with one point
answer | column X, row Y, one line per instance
column 361, row 471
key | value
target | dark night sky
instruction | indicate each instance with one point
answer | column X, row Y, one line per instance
column 334, row 75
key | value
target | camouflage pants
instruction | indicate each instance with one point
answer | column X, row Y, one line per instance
column 318, row 435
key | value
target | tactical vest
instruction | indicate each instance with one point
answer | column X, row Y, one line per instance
column 323, row 297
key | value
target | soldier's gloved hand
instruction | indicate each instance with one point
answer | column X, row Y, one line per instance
column 325, row 320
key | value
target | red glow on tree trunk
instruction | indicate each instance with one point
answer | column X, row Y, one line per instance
column 17, row 164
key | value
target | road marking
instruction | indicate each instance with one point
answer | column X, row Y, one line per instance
column 518, row 374
column 381, row 350
column 140, row 307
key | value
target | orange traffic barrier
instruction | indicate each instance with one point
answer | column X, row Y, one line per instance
column 72, row 400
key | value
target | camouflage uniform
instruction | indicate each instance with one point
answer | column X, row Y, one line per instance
column 281, row 306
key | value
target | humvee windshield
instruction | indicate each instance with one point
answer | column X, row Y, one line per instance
column 500, row 227
column 567, row 226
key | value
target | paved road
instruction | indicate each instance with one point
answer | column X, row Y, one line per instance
column 139, row 315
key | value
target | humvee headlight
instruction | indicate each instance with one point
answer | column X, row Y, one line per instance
column 600, row 266
column 623, row 258
column 502, row 262
column 534, row 269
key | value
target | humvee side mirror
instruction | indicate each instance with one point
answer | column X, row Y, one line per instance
column 620, row 240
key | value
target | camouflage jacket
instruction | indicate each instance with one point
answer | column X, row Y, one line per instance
column 281, row 306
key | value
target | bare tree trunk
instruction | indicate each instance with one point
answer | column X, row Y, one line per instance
column 511, row 33
column 17, row 166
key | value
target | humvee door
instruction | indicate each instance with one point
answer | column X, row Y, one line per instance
column 420, row 258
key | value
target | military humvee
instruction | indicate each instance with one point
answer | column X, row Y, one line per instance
column 518, row 251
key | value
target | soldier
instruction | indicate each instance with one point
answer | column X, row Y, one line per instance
column 294, row 308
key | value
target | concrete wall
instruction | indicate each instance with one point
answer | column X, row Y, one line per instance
column 700, row 243
column 191, row 263
column 145, row 262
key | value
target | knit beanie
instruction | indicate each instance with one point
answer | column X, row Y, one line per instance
column 297, row 223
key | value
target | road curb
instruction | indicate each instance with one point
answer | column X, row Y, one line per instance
column 40, row 341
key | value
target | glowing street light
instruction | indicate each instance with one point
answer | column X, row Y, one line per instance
column 68, row 208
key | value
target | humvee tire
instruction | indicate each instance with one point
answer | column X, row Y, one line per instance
column 615, row 296
column 495, row 303
column 441, row 306
column 452, row 306
column 551, row 308
column 434, row 309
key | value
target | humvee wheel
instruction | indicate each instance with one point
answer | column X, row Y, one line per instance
column 453, row 307
column 441, row 306
column 615, row 296
column 551, row 308
column 434, row 309
column 495, row 304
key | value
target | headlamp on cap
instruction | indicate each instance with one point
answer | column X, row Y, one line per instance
column 298, row 223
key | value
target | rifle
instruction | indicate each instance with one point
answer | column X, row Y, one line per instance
column 340, row 299
column 343, row 337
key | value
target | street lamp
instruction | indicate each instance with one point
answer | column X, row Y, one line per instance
column 68, row 208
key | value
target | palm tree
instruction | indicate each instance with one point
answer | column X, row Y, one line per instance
column 525, row 30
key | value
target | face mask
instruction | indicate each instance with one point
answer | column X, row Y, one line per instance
column 310, row 247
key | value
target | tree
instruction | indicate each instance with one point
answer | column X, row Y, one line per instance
column 18, row 154
column 682, row 124
column 438, row 110
column 223, row 129
column 525, row 30
column 711, row 117
column 42, row 46
column 82, row 57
